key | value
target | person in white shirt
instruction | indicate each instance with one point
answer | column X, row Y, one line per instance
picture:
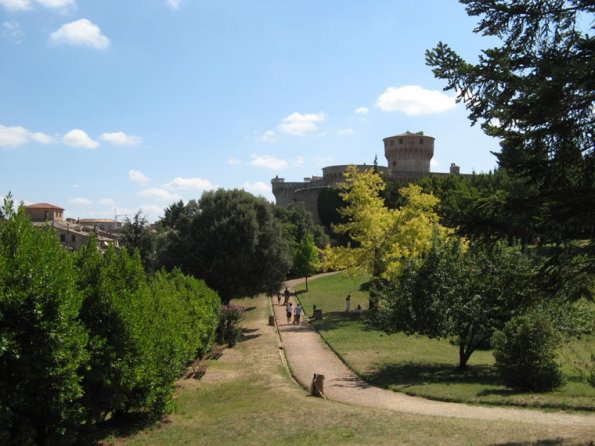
column 297, row 313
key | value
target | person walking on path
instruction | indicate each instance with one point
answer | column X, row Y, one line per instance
column 288, row 310
column 348, row 303
column 297, row 313
column 286, row 294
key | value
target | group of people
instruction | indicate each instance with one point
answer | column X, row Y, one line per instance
column 291, row 310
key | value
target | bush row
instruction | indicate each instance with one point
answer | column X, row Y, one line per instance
column 88, row 336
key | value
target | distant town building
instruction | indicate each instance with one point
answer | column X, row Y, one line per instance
column 42, row 212
column 74, row 234
column 408, row 155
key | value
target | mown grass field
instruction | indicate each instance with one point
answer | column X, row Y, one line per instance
column 426, row 367
column 247, row 398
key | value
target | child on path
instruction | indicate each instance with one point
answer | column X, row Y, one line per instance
column 297, row 313
column 286, row 294
column 288, row 310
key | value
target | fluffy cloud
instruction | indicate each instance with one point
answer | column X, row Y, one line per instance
column 16, row 5
column 79, row 138
column 18, row 136
column 106, row 202
column 12, row 31
column 258, row 188
column 120, row 139
column 345, row 132
column 362, row 110
column 268, row 136
column 81, row 32
column 191, row 183
column 173, row 4
column 301, row 124
column 136, row 176
column 57, row 4
column 80, row 201
column 268, row 162
column 159, row 194
column 414, row 100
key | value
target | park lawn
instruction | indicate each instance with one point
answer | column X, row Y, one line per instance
column 247, row 398
column 417, row 365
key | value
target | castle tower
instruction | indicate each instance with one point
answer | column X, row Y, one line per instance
column 408, row 152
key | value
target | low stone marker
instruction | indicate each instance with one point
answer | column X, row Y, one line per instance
column 317, row 386
column 271, row 319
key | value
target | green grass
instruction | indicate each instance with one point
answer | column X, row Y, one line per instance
column 247, row 398
column 417, row 365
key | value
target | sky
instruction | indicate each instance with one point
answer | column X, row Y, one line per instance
column 108, row 107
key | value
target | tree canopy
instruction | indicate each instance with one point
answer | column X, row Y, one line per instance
column 232, row 240
column 536, row 93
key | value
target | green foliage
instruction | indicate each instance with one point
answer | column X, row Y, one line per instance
column 229, row 328
column 42, row 343
column 455, row 292
column 136, row 234
column 306, row 258
column 232, row 240
column 297, row 222
column 142, row 332
column 525, row 352
column 535, row 92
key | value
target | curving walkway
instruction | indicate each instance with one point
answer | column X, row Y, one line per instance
column 307, row 354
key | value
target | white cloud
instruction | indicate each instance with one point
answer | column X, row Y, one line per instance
column 414, row 100
column 268, row 136
column 159, row 194
column 42, row 138
column 81, row 32
column 234, row 161
column 298, row 161
column 79, row 138
column 57, row 4
column 152, row 211
column 120, row 139
column 362, row 110
column 191, row 183
column 301, row 124
column 268, row 162
column 258, row 188
column 434, row 163
column 12, row 31
column 16, row 5
column 136, row 176
column 345, row 132
column 17, row 136
column 106, row 202
column 173, row 4
column 80, row 201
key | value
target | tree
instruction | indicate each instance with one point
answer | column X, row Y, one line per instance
column 42, row 343
column 306, row 258
column 535, row 92
column 457, row 292
column 382, row 237
column 232, row 241
column 136, row 234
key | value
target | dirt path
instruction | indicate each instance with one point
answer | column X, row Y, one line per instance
column 307, row 354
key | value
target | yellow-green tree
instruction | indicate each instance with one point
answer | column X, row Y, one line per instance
column 381, row 237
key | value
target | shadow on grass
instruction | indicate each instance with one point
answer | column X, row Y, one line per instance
column 339, row 319
column 411, row 374
column 544, row 442
column 124, row 426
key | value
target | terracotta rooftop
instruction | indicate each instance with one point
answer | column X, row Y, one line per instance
column 43, row 206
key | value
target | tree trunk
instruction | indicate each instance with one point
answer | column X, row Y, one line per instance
column 306, row 284
column 463, row 356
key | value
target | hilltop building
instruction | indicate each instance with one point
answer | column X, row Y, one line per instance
column 74, row 234
column 408, row 155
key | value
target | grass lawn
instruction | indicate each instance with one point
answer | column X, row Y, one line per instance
column 426, row 367
column 247, row 398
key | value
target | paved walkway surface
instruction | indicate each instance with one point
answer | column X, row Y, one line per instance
column 307, row 354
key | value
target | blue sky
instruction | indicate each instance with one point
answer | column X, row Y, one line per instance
column 107, row 107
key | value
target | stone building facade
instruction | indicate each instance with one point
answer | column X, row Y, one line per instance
column 408, row 156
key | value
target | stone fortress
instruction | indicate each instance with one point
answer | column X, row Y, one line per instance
column 408, row 155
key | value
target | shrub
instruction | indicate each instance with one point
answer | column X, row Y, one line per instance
column 525, row 352
column 229, row 326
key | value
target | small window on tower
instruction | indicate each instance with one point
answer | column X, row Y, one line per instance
column 421, row 140
column 400, row 140
column 394, row 163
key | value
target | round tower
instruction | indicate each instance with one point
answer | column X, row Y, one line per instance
column 408, row 152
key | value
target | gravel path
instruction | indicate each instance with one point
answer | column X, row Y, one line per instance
column 307, row 354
